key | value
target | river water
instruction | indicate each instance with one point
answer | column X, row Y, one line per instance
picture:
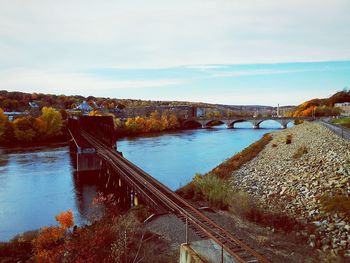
column 38, row 183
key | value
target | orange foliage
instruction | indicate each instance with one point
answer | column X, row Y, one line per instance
column 65, row 219
column 47, row 245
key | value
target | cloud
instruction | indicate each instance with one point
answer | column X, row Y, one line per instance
column 155, row 33
column 73, row 83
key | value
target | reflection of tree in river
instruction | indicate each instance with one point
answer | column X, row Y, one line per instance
column 3, row 159
column 87, row 185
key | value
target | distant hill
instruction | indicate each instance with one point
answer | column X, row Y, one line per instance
column 321, row 107
column 19, row 101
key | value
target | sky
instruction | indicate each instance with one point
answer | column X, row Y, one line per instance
column 218, row 51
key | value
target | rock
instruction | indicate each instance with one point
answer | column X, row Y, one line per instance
column 295, row 186
column 283, row 190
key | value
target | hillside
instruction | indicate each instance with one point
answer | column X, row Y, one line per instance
column 321, row 107
column 19, row 101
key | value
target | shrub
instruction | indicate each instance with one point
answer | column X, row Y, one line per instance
column 65, row 219
column 213, row 189
column 289, row 139
column 300, row 152
column 298, row 121
column 241, row 203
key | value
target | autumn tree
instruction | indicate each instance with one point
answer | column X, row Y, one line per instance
column 52, row 120
column 173, row 121
column 65, row 219
column 155, row 122
column 3, row 120
column 25, row 129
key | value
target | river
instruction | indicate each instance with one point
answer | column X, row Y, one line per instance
column 38, row 183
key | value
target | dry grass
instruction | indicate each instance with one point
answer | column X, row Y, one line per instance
column 289, row 139
column 225, row 169
column 300, row 152
column 212, row 189
column 243, row 205
column 336, row 204
column 298, row 121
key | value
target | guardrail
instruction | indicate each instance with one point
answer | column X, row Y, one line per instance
column 337, row 129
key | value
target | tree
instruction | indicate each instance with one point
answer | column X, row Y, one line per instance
column 65, row 219
column 130, row 125
column 165, row 121
column 173, row 121
column 155, row 122
column 3, row 120
column 24, row 129
column 53, row 121
column 8, row 135
column 64, row 114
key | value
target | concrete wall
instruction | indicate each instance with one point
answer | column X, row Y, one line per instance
column 204, row 251
column 187, row 255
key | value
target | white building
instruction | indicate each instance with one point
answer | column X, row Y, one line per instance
column 345, row 107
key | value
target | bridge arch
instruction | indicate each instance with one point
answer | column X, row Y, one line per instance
column 283, row 122
column 214, row 122
column 191, row 124
column 231, row 124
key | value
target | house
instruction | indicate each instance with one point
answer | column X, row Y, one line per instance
column 33, row 105
column 11, row 115
column 84, row 107
column 345, row 107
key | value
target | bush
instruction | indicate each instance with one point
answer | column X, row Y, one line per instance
column 300, row 152
column 214, row 190
column 289, row 139
column 298, row 121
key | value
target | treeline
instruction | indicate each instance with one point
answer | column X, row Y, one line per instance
column 321, row 107
column 154, row 123
column 19, row 101
column 49, row 126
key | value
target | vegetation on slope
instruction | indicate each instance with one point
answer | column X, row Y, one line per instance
column 116, row 237
column 214, row 188
column 321, row 107
column 19, row 101
column 342, row 121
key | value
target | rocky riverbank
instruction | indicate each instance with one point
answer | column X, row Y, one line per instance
column 304, row 172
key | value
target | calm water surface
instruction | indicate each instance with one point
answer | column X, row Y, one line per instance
column 37, row 184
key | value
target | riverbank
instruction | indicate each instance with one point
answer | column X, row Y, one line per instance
column 304, row 172
column 58, row 141
column 293, row 195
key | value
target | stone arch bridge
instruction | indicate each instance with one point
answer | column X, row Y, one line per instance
column 230, row 122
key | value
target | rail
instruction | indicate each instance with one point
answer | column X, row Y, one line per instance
column 337, row 129
column 160, row 194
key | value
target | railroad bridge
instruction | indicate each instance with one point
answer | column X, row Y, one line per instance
column 93, row 143
column 230, row 122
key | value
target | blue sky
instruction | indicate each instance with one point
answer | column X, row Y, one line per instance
column 218, row 51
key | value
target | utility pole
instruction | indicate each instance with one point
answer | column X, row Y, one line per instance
column 125, row 246
column 186, row 229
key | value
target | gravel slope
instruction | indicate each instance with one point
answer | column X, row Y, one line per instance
column 294, row 184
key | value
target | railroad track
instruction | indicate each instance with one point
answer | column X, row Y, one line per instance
column 173, row 203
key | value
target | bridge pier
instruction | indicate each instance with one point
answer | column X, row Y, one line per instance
column 84, row 159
